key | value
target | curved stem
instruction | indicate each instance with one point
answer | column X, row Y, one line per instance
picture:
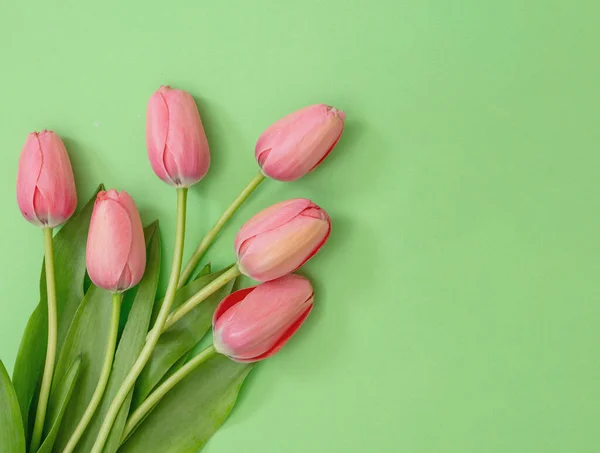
column 140, row 413
column 40, row 415
column 152, row 339
column 109, row 355
column 214, row 231
column 201, row 295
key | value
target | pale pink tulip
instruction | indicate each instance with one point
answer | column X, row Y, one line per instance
column 176, row 142
column 254, row 323
column 116, row 250
column 281, row 238
column 299, row 142
column 45, row 184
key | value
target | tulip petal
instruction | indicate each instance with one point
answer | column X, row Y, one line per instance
column 282, row 340
column 275, row 133
column 230, row 301
column 136, row 261
column 125, row 278
column 171, row 166
column 299, row 142
column 222, row 308
column 184, row 123
column 30, row 165
column 258, row 319
column 40, row 206
column 109, row 242
column 269, row 219
column 175, row 129
column 250, row 328
column 317, row 214
column 56, row 182
column 284, row 249
column 329, row 150
column 301, row 152
column 263, row 156
column 157, row 129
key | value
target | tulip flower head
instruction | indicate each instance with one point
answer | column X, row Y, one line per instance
column 281, row 238
column 116, row 249
column 175, row 138
column 254, row 323
column 45, row 184
column 299, row 142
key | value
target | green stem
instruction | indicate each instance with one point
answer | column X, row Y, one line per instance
column 201, row 295
column 146, row 353
column 109, row 355
column 140, row 413
column 40, row 416
column 214, row 231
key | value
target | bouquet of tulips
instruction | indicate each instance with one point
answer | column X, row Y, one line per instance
column 94, row 376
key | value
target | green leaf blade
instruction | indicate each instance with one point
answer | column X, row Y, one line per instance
column 57, row 411
column 87, row 339
column 12, row 435
column 192, row 411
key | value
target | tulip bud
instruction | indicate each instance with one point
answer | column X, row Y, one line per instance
column 299, row 142
column 116, row 249
column 177, row 145
column 281, row 238
column 254, row 323
column 45, row 184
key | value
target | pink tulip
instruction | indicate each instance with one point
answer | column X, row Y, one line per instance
column 45, row 184
column 281, row 238
column 177, row 146
column 254, row 323
column 299, row 142
column 116, row 250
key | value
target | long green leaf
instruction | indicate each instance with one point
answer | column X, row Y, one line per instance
column 192, row 411
column 130, row 345
column 56, row 411
column 87, row 338
column 177, row 341
column 206, row 270
column 69, row 262
column 12, row 436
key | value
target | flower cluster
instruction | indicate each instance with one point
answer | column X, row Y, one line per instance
column 249, row 325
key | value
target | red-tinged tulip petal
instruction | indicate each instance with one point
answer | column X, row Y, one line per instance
column 255, row 323
column 280, row 239
column 177, row 145
column 116, row 252
column 283, row 340
column 299, row 142
column 230, row 301
column 45, row 184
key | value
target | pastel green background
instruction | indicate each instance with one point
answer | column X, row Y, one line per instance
column 457, row 300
